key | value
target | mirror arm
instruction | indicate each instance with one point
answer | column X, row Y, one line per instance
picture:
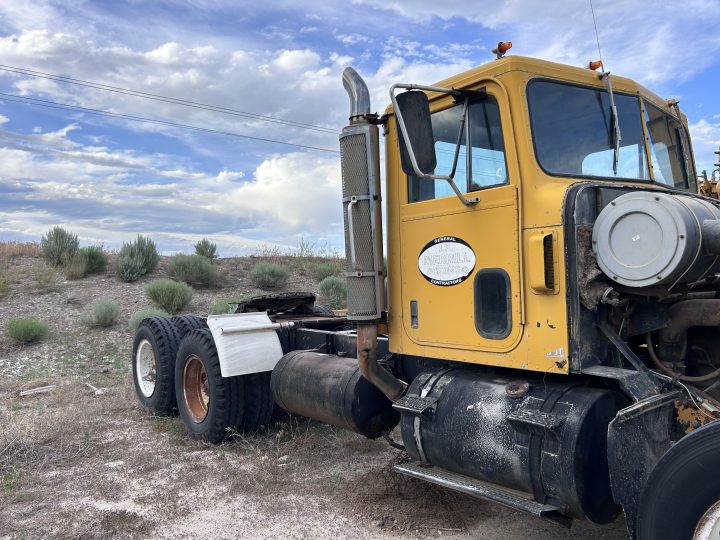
column 411, row 153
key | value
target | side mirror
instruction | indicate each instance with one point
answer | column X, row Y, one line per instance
column 412, row 119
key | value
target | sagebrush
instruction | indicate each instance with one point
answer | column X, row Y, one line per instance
column 45, row 278
column 321, row 270
column 58, row 244
column 193, row 270
column 223, row 307
column 137, row 258
column 268, row 275
column 333, row 292
column 145, row 313
column 24, row 330
column 96, row 258
column 103, row 313
column 170, row 295
column 207, row 249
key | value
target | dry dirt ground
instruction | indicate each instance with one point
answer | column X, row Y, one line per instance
column 79, row 464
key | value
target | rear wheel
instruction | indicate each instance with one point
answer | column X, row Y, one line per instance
column 153, row 360
column 682, row 495
column 187, row 323
column 209, row 404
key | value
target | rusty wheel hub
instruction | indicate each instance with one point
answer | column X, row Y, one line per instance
column 196, row 389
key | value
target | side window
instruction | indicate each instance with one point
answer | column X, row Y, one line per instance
column 484, row 167
column 666, row 149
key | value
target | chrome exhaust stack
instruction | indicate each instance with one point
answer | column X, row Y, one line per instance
column 364, row 261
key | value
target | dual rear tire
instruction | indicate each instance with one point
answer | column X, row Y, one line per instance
column 176, row 367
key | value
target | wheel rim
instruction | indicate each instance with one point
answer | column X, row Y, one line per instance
column 196, row 389
column 146, row 368
column 709, row 525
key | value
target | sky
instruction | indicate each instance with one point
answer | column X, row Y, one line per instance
column 277, row 66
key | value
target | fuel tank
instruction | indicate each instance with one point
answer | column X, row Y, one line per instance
column 331, row 389
column 546, row 439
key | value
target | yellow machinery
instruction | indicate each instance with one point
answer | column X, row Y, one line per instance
column 547, row 334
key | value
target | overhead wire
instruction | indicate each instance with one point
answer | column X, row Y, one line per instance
column 66, row 106
column 161, row 98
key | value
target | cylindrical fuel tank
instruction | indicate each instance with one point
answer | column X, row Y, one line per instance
column 546, row 439
column 651, row 238
column 331, row 389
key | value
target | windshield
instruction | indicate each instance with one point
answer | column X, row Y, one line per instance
column 573, row 131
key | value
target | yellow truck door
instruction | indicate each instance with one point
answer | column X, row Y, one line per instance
column 460, row 264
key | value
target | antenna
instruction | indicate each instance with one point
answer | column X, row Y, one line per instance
column 597, row 37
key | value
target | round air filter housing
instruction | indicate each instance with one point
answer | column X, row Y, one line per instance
column 644, row 238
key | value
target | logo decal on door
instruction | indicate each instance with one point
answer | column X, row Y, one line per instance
column 446, row 261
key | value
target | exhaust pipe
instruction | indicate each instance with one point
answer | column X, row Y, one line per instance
column 364, row 262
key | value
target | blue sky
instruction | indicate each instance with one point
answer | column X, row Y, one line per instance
column 109, row 179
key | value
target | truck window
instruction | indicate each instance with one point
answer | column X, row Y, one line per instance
column 665, row 147
column 572, row 131
column 487, row 163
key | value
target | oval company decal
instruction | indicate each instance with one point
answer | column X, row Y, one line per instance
column 446, row 261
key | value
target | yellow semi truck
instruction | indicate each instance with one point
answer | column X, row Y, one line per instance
column 546, row 336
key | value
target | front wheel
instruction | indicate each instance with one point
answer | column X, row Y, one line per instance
column 682, row 496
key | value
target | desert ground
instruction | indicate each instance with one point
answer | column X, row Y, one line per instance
column 83, row 460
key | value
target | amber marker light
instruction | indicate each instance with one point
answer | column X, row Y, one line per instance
column 502, row 48
column 594, row 66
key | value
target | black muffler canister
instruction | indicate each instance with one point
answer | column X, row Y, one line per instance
column 331, row 389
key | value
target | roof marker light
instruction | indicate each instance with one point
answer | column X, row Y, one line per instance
column 502, row 48
column 594, row 66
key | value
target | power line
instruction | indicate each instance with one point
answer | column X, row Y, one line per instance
column 165, row 99
column 65, row 106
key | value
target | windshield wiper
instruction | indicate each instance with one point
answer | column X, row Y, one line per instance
column 615, row 133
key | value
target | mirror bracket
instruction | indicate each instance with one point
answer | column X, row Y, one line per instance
column 457, row 95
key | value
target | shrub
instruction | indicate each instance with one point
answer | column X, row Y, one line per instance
column 139, row 316
column 45, row 278
column 137, row 258
column 103, row 313
column 321, row 270
column 333, row 291
column 24, row 331
column 129, row 268
column 57, row 244
column 193, row 270
column 168, row 294
column 267, row 275
column 206, row 248
column 75, row 265
column 96, row 257
column 223, row 307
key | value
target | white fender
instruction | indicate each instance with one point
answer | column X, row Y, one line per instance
column 245, row 342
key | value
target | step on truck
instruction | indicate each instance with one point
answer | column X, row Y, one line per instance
column 547, row 336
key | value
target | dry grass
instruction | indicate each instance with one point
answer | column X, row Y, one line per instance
column 9, row 250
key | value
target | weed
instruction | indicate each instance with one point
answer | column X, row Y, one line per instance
column 168, row 294
column 223, row 307
column 268, row 275
column 8, row 250
column 137, row 258
column 23, row 330
column 321, row 270
column 11, row 479
column 102, row 313
column 57, row 244
column 4, row 281
column 75, row 265
column 143, row 314
column 207, row 249
column 193, row 270
column 96, row 257
column 45, row 278
column 333, row 291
